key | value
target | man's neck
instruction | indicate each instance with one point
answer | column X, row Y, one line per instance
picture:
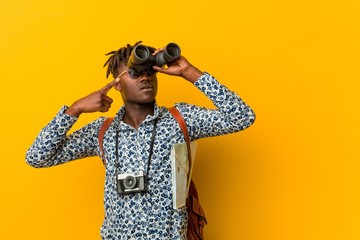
column 135, row 114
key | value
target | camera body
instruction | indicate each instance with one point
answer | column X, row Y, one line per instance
column 141, row 60
column 131, row 182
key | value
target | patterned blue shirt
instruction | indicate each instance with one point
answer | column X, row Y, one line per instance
column 148, row 215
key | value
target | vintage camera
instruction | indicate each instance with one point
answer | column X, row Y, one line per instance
column 141, row 60
column 131, row 182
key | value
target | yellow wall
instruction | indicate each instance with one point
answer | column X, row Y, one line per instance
column 293, row 175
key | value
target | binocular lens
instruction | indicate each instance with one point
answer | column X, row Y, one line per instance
column 141, row 54
column 173, row 50
column 170, row 53
column 141, row 60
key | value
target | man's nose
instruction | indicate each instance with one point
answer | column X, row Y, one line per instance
column 144, row 77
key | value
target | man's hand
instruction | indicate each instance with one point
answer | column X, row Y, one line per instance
column 180, row 67
column 95, row 102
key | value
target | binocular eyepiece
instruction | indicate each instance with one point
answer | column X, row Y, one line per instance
column 142, row 60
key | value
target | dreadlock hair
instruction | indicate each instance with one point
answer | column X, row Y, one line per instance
column 119, row 57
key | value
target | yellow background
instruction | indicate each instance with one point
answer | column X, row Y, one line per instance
column 293, row 175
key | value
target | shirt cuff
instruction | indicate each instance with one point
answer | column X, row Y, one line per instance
column 62, row 120
column 210, row 86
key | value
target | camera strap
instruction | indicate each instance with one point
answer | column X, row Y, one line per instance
column 117, row 165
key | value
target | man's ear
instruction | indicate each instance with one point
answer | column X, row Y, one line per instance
column 117, row 85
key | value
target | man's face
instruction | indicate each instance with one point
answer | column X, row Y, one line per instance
column 136, row 89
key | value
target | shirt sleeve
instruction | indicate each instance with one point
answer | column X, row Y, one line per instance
column 53, row 146
column 231, row 114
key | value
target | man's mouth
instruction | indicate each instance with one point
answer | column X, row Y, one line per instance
column 146, row 87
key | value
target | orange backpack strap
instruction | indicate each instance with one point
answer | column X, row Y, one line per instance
column 102, row 131
column 196, row 215
column 177, row 115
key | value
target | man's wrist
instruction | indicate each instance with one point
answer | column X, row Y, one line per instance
column 73, row 111
column 192, row 74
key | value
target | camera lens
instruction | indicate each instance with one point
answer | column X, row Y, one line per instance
column 129, row 182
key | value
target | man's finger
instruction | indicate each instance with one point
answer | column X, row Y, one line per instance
column 106, row 104
column 158, row 50
column 108, row 86
column 107, row 99
column 159, row 69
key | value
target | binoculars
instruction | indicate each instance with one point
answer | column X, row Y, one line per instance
column 141, row 60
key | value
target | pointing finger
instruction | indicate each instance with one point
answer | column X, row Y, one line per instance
column 108, row 86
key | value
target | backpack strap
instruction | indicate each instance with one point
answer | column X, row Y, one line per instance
column 101, row 134
column 177, row 115
column 196, row 214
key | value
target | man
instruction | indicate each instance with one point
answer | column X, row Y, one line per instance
column 139, row 139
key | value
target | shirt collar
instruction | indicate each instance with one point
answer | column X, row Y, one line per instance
column 120, row 114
